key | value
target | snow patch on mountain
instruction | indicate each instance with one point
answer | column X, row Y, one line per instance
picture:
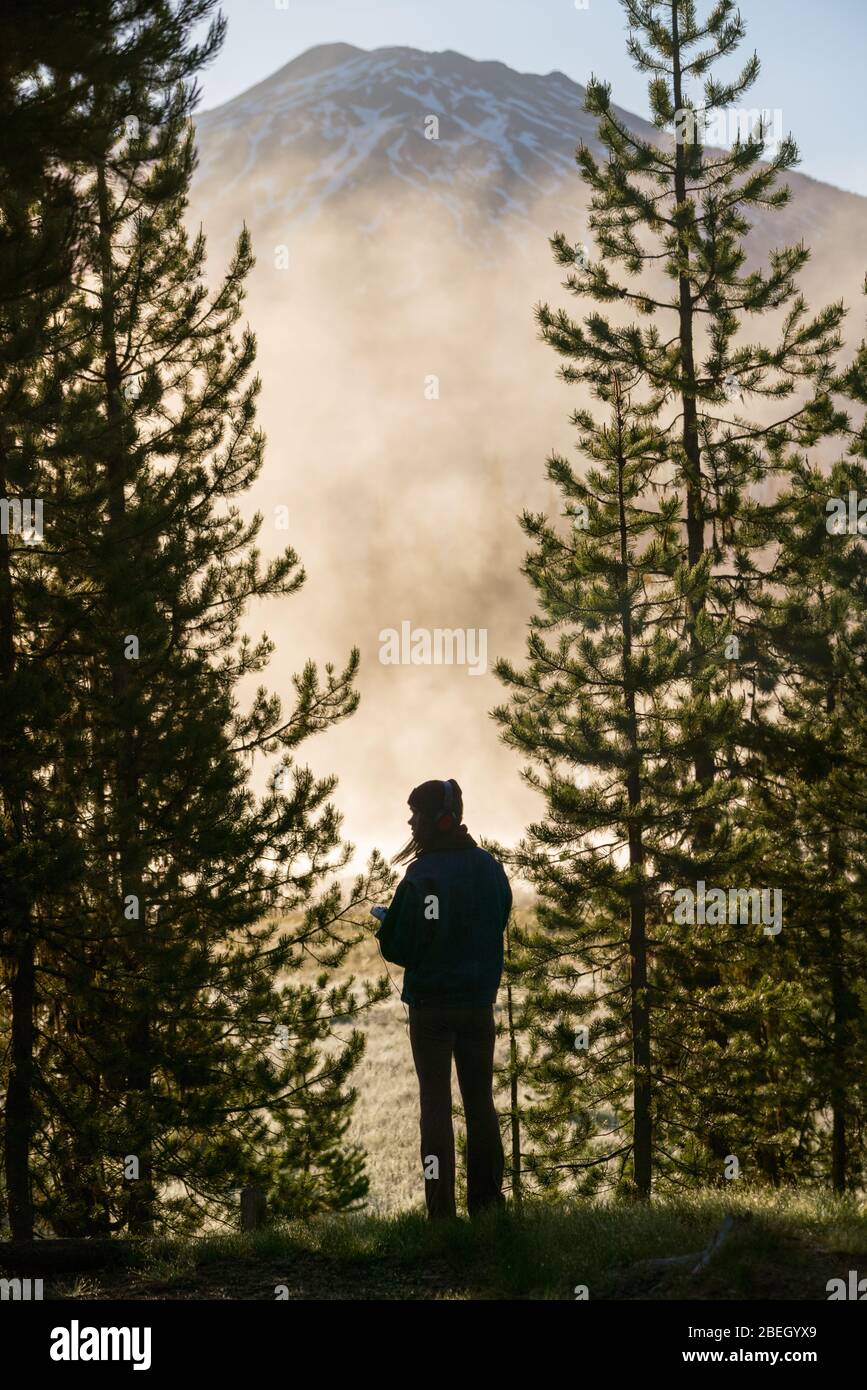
column 339, row 122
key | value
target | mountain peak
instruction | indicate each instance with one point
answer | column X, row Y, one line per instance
column 320, row 58
column 485, row 144
column 460, row 132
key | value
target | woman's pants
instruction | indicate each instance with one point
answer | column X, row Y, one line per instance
column 438, row 1034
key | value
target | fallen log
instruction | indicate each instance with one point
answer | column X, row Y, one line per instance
column 698, row 1260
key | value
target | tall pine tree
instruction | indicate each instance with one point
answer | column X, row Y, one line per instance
column 671, row 212
column 175, row 1059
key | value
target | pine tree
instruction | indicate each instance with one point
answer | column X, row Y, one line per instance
column 662, row 211
column 597, row 711
column 175, row 1060
column 184, row 942
column 51, row 57
column 35, row 238
column 807, row 768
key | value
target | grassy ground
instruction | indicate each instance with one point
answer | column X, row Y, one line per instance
column 385, row 1117
column 782, row 1247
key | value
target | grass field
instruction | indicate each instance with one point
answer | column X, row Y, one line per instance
column 782, row 1247
column 385, row 1119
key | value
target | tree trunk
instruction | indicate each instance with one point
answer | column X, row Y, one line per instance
column 515, row 1123
column 19, row 1092
column 695, row 518
column 839, row 1003
column 706, row 974
column 16, row 938
column 141, row 1194
column 642, row 1122
column 839, row 1007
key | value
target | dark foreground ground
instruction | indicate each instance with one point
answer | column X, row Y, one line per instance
column 772, row 1248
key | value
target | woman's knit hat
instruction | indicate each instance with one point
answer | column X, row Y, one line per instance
column 442, row 802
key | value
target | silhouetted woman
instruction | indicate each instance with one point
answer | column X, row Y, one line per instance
column 445, row 927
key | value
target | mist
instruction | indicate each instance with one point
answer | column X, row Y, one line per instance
column 409, row 408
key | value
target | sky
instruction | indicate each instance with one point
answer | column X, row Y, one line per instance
column 812, row 52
